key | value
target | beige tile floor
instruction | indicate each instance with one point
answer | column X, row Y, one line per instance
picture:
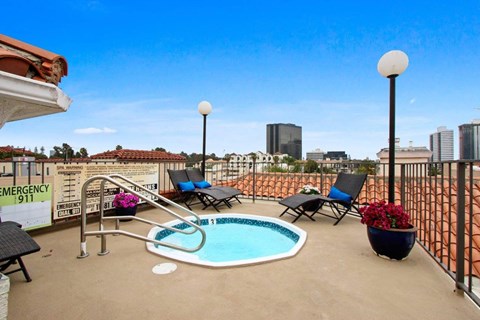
column 334, row 276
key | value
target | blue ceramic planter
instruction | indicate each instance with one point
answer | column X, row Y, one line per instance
column 130, row 211
column 394, row 243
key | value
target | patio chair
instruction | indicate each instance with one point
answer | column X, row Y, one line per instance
column 190, row 195
column 15, row 243
column 196, row 176
column 342, row 199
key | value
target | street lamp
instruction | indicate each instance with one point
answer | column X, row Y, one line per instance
column 391, row 65
column 204, row 107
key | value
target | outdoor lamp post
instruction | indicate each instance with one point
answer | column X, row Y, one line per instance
column 204, row 107
column 391, row 65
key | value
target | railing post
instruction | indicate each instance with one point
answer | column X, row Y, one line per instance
column 460, row 263
column 402, row 185
column 254, row 180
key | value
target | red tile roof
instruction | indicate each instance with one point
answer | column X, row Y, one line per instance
column 70, row 160
column 138, row 155
column 16, row 151
column 25, row 60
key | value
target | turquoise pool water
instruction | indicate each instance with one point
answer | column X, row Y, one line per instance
column 234, row 240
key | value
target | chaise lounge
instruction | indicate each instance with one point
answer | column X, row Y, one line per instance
column 198, row 193
column 195, row 175
column 342, row 199
column 14, row 244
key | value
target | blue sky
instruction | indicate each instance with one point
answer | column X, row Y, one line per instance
column 137, row 71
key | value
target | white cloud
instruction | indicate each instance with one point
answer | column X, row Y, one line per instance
column 94, row 131
column 412, row 101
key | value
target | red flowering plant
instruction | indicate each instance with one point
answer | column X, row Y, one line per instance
column 125, row 200
column 385, row 216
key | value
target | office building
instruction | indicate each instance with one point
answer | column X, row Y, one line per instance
column 284, row 138
column 469, row 141
column 315, row 155
column 441, row 144
column 336, row 155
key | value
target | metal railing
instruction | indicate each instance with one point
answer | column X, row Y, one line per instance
column 443, row 199
column 142, row 195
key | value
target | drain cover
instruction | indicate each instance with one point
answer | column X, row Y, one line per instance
column 164, row 268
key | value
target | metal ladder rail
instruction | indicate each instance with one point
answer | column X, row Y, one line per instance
column 101, row 232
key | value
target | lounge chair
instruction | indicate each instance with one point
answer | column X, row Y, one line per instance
column 196, row 176
column 15, row 243
column 190, row 195
column 342, row 199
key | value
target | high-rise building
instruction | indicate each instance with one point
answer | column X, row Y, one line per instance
column 284, row 138
column 469, row 141
column 441, row 144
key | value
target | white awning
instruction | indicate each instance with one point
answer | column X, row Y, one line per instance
column 22, row 98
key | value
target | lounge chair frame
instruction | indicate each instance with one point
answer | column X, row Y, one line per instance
column 195, row 175
column 207, row 197
column 348, row 183
column 15, row 243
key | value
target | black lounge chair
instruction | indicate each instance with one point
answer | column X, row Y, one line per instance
column 207, row 197
column 195, row 175
column 15, row 243
column 349, row 186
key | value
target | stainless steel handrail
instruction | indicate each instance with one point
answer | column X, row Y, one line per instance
column 102, row 232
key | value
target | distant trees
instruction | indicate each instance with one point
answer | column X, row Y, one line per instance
column 197, row 157
column 311, row 166
column 82, row 153
column 66, row 152
column 368, row 167
column 118, row 147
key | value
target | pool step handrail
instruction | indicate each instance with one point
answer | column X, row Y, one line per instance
column 102, row 232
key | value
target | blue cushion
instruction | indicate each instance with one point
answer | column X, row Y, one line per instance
column 186, row 186
column 339, row 195
column 202, row 184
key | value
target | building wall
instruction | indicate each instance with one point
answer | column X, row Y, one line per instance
column 404, row 155
column 284, row 138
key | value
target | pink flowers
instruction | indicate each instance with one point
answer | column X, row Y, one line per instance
column 125, row 200
column 385, row 216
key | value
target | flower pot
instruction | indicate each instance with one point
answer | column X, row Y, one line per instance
column 312, row 205
column 394, row 243
column 129, row 211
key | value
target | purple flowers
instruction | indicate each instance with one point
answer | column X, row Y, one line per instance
column 125, row 200
column 385, row 216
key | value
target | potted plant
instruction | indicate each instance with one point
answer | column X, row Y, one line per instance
column 125, row 204
column 389, row 230
column 311, row 190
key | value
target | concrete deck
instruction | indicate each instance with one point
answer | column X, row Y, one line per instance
column 334, row 276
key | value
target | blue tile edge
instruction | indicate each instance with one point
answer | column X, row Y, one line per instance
column 265, row 224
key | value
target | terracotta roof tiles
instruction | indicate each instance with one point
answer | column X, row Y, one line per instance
column 138, row 155
column 26, row 60
column 8, row 149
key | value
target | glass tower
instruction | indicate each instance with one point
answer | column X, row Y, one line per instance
column 469, row 141
column 285, row 138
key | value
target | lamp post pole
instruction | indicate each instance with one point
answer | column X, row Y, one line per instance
column 204, row 143
column 391, row 143
column 204, row 108
column 391, row 65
